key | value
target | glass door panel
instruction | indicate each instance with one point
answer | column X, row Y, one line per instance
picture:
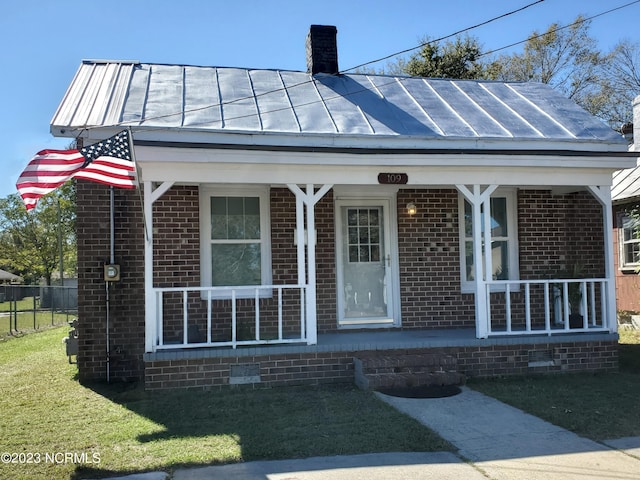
column 364, row 286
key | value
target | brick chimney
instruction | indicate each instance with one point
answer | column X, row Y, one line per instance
column 322, row 50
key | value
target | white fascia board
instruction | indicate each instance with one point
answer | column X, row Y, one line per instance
column 418, row 176
column 179, row 155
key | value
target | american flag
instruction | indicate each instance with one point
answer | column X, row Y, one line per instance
column 108, row 162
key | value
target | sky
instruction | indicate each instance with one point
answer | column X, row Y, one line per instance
column 44, row 41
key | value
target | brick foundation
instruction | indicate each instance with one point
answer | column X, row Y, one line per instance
column 315, row 368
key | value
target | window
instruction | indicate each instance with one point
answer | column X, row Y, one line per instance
column 504, row 248
column 629, row 241
column 235, row 245
column 364, row 234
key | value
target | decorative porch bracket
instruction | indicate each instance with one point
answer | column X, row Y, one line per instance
column 308, row 199
column 603, row 195
column 150, row 197
column 477, row 198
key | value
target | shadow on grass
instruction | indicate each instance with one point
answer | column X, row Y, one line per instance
column 241, row 424
column 629, row 358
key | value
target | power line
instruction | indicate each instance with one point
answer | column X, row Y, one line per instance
column 445, row 37
column 559, row 28
column 284, row 88
column 311, row 80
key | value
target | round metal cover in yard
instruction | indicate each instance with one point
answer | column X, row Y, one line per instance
column 422, row 391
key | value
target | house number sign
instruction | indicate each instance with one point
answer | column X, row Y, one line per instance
column 393, row 178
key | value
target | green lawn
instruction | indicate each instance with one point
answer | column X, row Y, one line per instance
column 596, row 406
column 44, row 411
column 72, row 431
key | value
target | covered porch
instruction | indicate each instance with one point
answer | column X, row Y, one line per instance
column 529, row 304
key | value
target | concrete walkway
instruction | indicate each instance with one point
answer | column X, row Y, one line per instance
column 494, row 441
column 508, row 444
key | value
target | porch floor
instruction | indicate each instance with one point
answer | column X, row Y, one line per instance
column 350, row 341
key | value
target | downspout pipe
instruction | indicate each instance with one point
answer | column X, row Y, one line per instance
column 107, row 284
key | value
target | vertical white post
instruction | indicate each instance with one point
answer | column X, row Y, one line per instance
column 612, row 318
column 300, row 240
column 312, row 321
column 150, row 316
column 478, row 272
column 603, row 194
column 185, row 317
column 485, row 202
column 208, row 316
column 309, row 199
column 476, row 199
column 234, row 334
column 257, row 301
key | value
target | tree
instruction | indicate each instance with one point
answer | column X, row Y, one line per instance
column 452, row 59
column 622, row 83
column 566, row 58
column 30, row 241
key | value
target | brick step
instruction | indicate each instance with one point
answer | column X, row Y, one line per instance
column 404, row 380
column 428, row 361
column 406, row 370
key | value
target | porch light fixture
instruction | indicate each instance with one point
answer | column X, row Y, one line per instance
column 411, row 208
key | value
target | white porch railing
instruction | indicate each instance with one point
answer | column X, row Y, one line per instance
column 534, row 307
column 193, row 308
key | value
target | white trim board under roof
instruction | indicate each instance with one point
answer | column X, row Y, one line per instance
column 178, row 103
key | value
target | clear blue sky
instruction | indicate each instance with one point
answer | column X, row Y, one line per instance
column 43, row 42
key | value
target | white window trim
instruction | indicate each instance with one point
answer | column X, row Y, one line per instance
column 512, row 217
column 208, row 191
column 623, row 265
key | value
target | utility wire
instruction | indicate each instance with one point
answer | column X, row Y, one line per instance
column 445, row 37
column 558, row 29
column 229, row 102
column 311, row 80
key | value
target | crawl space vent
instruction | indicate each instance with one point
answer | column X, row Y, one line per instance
column 541, row 358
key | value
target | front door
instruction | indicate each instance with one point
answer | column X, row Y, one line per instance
column 365, row 287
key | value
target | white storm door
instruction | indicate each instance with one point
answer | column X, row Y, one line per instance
column 364, row 263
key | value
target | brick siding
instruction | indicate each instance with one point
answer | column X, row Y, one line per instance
column 429, row 253
column 126, row 322
column 428, row 246
column 337, row 367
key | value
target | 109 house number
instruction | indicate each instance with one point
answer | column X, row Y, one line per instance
column 393, row 178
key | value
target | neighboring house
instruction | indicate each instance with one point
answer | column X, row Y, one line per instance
column 8, row 277
column 6, row 280
column 625, row 196
column 289, row 222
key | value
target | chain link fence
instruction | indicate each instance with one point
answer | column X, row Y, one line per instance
column 26, row 308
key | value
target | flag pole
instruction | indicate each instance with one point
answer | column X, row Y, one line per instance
column 135, row 164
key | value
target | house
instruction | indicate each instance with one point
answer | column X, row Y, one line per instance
column 625, row 197
column 290, row 222
column 8, row 277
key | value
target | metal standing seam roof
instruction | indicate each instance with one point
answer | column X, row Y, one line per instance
column 235, row 100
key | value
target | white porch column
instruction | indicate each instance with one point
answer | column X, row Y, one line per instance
column 603, row 194
column 477, row 198
column 150, row 315
column 309, row 199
